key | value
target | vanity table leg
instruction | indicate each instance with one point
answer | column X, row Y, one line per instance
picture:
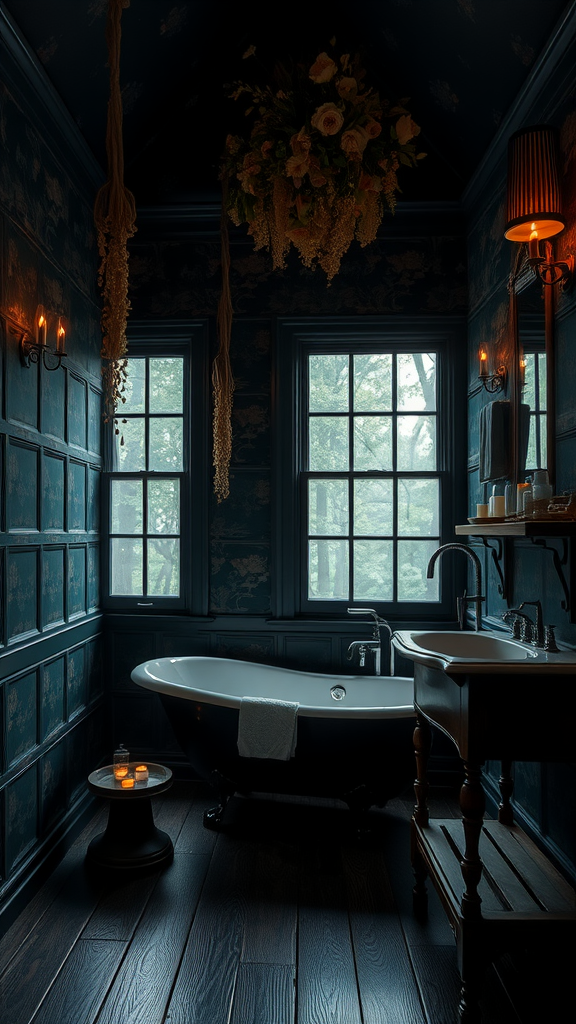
column 472, row 805
column 421, row 816
column 422, row 744
column 506, row 785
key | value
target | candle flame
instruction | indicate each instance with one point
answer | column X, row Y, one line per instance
column 41, row 320
column 533, row 232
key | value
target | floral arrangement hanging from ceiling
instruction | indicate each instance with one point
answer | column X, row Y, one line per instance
column 319, row 164
column 317, row 169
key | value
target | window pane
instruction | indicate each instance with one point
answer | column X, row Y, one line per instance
column 372, row 383
column 163, row 506
column 416, row 443
column 163, row 568
column 328, row 443
column 416, row 381
column 130, row 456
column 135, row 388
column 328, row 570
column 328, row 507
column 166, row 385
column 413, row 558
column 328, row 383
column 372, row 442
column 418, row 508
column 165, row 444
column 528, row 393
column 126, row 501
column 126, row 567
column 373, row 507
column 542, row 377
column 373, row 570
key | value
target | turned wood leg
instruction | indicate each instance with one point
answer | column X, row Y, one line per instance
column 506, row 785
column 472, row 804
column 422, row 743
column 421, row 816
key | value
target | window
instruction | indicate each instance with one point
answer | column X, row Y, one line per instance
column 154, row 534
column 370, row 461
column 373, row 495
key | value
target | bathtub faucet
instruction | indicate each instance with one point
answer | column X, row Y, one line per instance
column 374, row 644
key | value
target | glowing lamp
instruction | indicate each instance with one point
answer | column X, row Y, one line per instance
column 533, row 206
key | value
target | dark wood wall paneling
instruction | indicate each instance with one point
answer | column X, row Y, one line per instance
column 53, row 725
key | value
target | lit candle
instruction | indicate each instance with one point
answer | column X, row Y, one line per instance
column 42, row 329
column 533, row 244
column 483, row 359
column 120, row 771
column 141, row 773
column 522, row 372
column 60, row 338
column 127, row 783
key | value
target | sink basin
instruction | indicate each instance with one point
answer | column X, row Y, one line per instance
column 478, row 652
column 473, row 645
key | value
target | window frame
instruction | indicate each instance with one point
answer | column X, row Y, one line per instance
column 189, row 342
column 294, row 340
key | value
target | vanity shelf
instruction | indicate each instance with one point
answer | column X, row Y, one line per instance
column 537, row 533
column 530, row 528
column 497, row 888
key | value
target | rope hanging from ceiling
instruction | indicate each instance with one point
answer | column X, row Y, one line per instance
column 114, row 217
column 222, row 379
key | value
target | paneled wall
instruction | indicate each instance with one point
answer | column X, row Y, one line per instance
column 53, row 726
column 541, row 570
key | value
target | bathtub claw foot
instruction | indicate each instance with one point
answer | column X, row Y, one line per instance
column 212, row 818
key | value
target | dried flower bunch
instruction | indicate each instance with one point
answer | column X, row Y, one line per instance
column 320, row 163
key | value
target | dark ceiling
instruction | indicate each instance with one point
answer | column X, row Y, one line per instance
column 461, row 62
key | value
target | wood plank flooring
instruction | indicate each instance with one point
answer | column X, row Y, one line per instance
column 286, row 916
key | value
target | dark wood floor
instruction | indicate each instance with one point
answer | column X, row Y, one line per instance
column 284, row 917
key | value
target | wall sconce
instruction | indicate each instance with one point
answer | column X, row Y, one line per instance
column 492, row 382
column 34, row 349
column 533, row 211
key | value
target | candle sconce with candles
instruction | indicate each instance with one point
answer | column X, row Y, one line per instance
column 492, row 382
column 32, row 350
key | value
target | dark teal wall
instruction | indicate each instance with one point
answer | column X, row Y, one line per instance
column 541, row 570
column 51, row 694
column 418, row 270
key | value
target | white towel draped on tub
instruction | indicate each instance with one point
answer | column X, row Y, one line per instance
column 267, row 728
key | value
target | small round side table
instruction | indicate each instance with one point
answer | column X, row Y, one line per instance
column 131, row 839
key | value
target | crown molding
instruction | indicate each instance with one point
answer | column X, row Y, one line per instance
column 202, row 221
column 22, row 69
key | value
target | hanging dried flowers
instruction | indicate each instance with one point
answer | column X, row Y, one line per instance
column 320, row 163
column 114, row 216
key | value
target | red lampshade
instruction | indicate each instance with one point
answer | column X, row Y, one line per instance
column 533, row 187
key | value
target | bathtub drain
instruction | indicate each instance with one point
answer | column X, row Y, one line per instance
column 338, row 692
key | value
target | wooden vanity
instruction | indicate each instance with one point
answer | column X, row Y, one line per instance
column 497, row 888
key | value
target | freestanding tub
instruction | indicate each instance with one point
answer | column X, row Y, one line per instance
column 354, row 733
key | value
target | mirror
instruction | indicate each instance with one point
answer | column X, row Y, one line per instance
column 532, row 392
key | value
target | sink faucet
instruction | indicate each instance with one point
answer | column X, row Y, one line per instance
column 477, row 598
column 374, row 644
column 533, row 632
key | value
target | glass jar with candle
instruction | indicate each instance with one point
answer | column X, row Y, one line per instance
column 121, row 760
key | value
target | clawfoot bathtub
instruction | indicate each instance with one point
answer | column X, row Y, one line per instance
column 354, row 733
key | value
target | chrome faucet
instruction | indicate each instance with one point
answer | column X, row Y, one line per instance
column 532, row 632
column 374, row 644
column 477, row 598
